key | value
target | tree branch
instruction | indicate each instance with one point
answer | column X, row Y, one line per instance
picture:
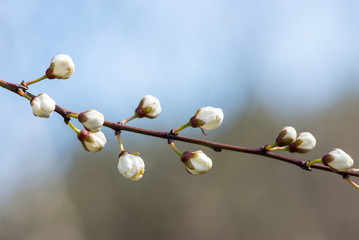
column 171, row 137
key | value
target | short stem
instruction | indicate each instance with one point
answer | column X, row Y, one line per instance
column 204, row 133
column 270, row 147
column 74, row 128
column 351, row 182
column 120, row 142
column 129, row 119
column 36, row 80
column 181, row 128
column 72, row 115
column 279, row 148
column 23, row 94
column 310, row 163
column 176, row 149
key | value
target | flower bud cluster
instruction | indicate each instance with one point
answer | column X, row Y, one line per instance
column 305, row 142
column 61, row 67
column 131, row 165
column 92, row 139
column 288, row 139
column 206, row 118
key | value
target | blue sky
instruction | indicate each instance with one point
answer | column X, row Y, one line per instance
column 292, row 56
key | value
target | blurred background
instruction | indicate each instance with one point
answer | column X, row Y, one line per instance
column 267, row 64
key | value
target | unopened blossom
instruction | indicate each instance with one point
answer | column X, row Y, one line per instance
column 286, row 136
column 92, row 141
column 42, row 105
column 61, row 67
column 149, row 107
column 196, row 162
column 338, row 160
column 131, row 165
column 207, row 118
column 305, row 142
column 92, row 120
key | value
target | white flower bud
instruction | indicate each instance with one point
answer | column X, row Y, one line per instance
column 286, row 136
column 196, row 162
column 61, row 67
column 92, row 141
column 338, row 160
column 208, row 118
column 42, row 105
column 149, row 107
column 305, row 142
column 92, row 120
column 131, row 165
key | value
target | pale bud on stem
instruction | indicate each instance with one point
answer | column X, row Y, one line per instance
column 196, row 162
column 338, row 160
column 304, row 143
column 131, row 165
column 149, row 107
column 92, row 141
column 206, row 118
column 285, row 137
column 61, row 67
column 92, row 120
column 42, row 105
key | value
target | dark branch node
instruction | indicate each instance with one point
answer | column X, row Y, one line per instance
column 66, row 120
column 22, row 86
column 264, row 149
column 305, row 166
column 170, row 136
column 217, row 149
